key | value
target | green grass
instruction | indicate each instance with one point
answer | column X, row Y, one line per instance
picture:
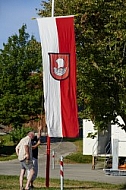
column 7, row 148
column 12, row 183
column 78, row 156
column 5, row 140
column 7, row 152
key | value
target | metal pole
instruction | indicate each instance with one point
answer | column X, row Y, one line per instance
column 48, row 161
column 115, row 153
column 61, row 173
column 53, row 159
column 48, row 138
column 52, row 8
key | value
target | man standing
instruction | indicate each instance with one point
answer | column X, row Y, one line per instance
column 24, row 153
column 35, row 143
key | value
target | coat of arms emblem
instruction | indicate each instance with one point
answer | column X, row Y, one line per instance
column 59, row 65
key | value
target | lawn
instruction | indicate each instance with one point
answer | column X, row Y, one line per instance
column 7, row 152
column 12, row 183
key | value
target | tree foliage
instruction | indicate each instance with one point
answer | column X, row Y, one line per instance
column 101, row 56
column 20, row 79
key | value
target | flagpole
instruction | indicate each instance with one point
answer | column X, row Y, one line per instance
column 52, row 8
column 48, row 161
column 48, row 138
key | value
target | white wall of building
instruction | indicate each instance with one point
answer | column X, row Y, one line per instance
column 100, row 141
column 88, row 142
column 120, row 135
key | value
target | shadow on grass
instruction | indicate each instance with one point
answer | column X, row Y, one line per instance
column 72, row 139
column 77, row 187
column 123, row 187
column 43, row 139
column 65, row 188
column 7, row 150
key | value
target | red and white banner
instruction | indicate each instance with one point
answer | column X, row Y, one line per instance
column 59, row 75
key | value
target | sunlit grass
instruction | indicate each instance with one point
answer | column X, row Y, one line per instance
column 12, row 182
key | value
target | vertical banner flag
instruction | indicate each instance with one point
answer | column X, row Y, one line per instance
column 59, row 75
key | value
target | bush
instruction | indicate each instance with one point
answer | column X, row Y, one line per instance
column 18, row 133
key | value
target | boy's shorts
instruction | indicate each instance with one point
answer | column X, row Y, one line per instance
column 26, row 164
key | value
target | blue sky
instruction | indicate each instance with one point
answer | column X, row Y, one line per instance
column 15, row 13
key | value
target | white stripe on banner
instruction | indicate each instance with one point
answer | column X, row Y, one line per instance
column 53, row 109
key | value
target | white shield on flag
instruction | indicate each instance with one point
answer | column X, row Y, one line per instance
column 59, row 65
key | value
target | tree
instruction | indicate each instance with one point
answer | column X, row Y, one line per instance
column 101, row 42
column 20, row 79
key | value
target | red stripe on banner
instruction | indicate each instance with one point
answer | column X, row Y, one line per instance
column 70, row 127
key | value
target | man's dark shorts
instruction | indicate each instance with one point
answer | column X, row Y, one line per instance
column 26, row 164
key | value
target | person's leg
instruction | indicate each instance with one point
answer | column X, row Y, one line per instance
column 21, row 178
column 31, row 173
column 28, row 165
column 28, row 171
column 35, row 164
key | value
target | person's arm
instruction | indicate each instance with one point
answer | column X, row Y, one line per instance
column 27, row 156
column 38, row 137
column 39, row 130
column 36, row 145
column 17, row 150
